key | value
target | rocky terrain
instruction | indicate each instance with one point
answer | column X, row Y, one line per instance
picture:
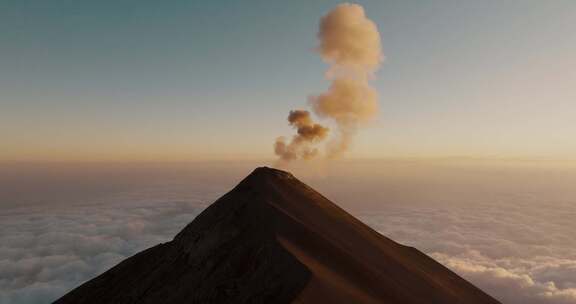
column 273, row 239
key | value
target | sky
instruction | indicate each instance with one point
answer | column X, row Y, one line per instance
column 189, row 80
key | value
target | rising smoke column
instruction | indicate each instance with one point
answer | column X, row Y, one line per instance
column 350, row 44
column 308, row 133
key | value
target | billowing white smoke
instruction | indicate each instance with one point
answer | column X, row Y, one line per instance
column 350, row 44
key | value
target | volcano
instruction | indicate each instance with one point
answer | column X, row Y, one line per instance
column 273, row 239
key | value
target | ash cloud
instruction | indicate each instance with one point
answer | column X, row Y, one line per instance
column 301, row 145
column 350, row 43
column 349, row 40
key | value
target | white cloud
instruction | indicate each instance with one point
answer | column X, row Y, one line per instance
column 518, row 255
column 45, row 253
column 520, row 248
column 509, row 285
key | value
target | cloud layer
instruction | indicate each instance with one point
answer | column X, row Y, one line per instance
column 43, row 254
column 520, row 254
column 509, row 231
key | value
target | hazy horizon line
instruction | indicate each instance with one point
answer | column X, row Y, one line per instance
column 272, row 160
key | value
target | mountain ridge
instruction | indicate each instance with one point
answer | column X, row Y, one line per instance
column 273, row 239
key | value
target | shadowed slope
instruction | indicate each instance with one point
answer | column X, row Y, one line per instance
column 272, row 239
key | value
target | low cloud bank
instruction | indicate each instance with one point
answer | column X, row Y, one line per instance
column 521, row 251
column 44, row 254
column 518, row 253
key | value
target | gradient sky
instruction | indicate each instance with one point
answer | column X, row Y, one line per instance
column 185, row 80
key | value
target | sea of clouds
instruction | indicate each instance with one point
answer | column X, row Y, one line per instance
column 518, row 247
column 45, row 254
column 521, row 254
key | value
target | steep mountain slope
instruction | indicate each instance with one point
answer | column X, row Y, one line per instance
column 272, row 239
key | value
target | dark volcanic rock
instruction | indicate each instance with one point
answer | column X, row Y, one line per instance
column 272, row 239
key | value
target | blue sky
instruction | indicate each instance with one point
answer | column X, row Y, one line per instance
column 215, row 79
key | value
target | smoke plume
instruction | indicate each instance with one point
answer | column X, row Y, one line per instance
column 308, row 133
column 350, row 43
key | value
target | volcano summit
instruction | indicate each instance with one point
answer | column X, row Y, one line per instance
column 273, row 239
